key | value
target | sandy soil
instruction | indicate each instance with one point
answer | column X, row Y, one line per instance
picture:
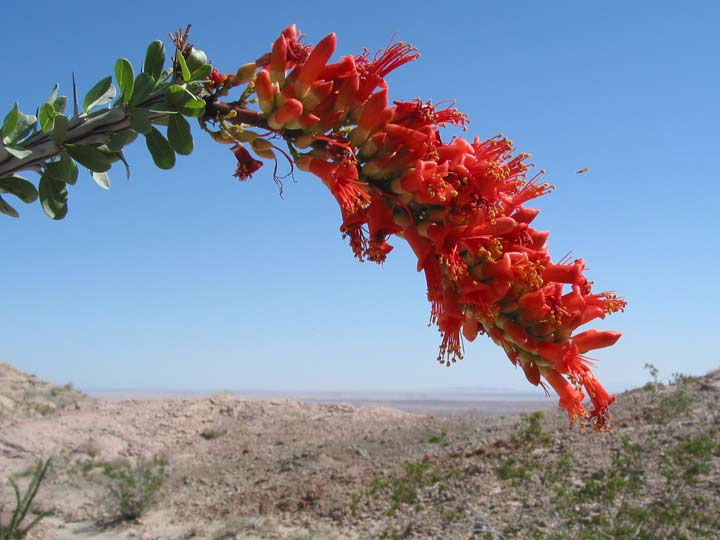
column 242, row 469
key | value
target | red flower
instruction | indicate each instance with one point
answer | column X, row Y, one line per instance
column 459, row 205
column 247, row 165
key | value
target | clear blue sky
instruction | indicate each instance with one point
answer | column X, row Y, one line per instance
column 188, row 279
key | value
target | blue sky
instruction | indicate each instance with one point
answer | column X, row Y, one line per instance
column 187, row 279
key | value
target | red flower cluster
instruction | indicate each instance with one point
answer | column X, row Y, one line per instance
column 458, row 204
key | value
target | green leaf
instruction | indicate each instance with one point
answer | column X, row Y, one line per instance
column 144, row 86
column 18, row 186
column 161, row 121
column 101, row 93
column 18, row 152
column 17, row 126
column 154, row 59
column 185, row 101
column 177, row 95
column 140, row 121
column 179, row 135
column 102, row 179
column 10, row 123
column 201, row 73
column 60, row 129
column 47, row 117
column 194, row 108
column 125, row 78
column 196, row 59
column 89, row 156
column 183, row 66
column 8, row 210
column 63, row 170
column 53, row 95
column 160, row 149
column 121, row 139
column 165, row 75
column 59, row 104
column 53, row 197
column 112, row 155
column 162, row 107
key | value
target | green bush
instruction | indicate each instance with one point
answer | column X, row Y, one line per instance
column 133, row 488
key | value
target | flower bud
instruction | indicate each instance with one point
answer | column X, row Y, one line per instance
column 244, row 73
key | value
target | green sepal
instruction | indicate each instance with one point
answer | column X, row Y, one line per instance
column 160, row 149
column 53, row 197
column 140, row 121
column 100, row 94
column 154, row 59
column 179, row 135
column 125, row 78
column 121, row 139
column 89, row 156
column 60, row 128
column 20, row 187
column 63, row 170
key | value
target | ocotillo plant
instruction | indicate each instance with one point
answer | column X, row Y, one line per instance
column 459, row 204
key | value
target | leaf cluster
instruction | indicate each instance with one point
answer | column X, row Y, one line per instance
column 55, row 144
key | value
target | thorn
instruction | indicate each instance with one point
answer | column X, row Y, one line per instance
column 76, row 107
column 127, row 166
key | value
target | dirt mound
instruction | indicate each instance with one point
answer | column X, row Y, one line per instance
column 24, row 394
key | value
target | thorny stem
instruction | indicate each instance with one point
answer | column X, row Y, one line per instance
column 94, row 129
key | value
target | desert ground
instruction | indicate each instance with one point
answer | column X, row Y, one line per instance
column 224, row 467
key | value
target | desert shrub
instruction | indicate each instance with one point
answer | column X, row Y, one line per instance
column 632, row 500
column 439, row 438
column 671, row 403
column 133, row 487
column 676, row 404
column 16, row 528
column 680, row 379
column 519, row 464
column 405, row 488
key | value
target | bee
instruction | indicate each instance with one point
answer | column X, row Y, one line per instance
column 582, row 171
